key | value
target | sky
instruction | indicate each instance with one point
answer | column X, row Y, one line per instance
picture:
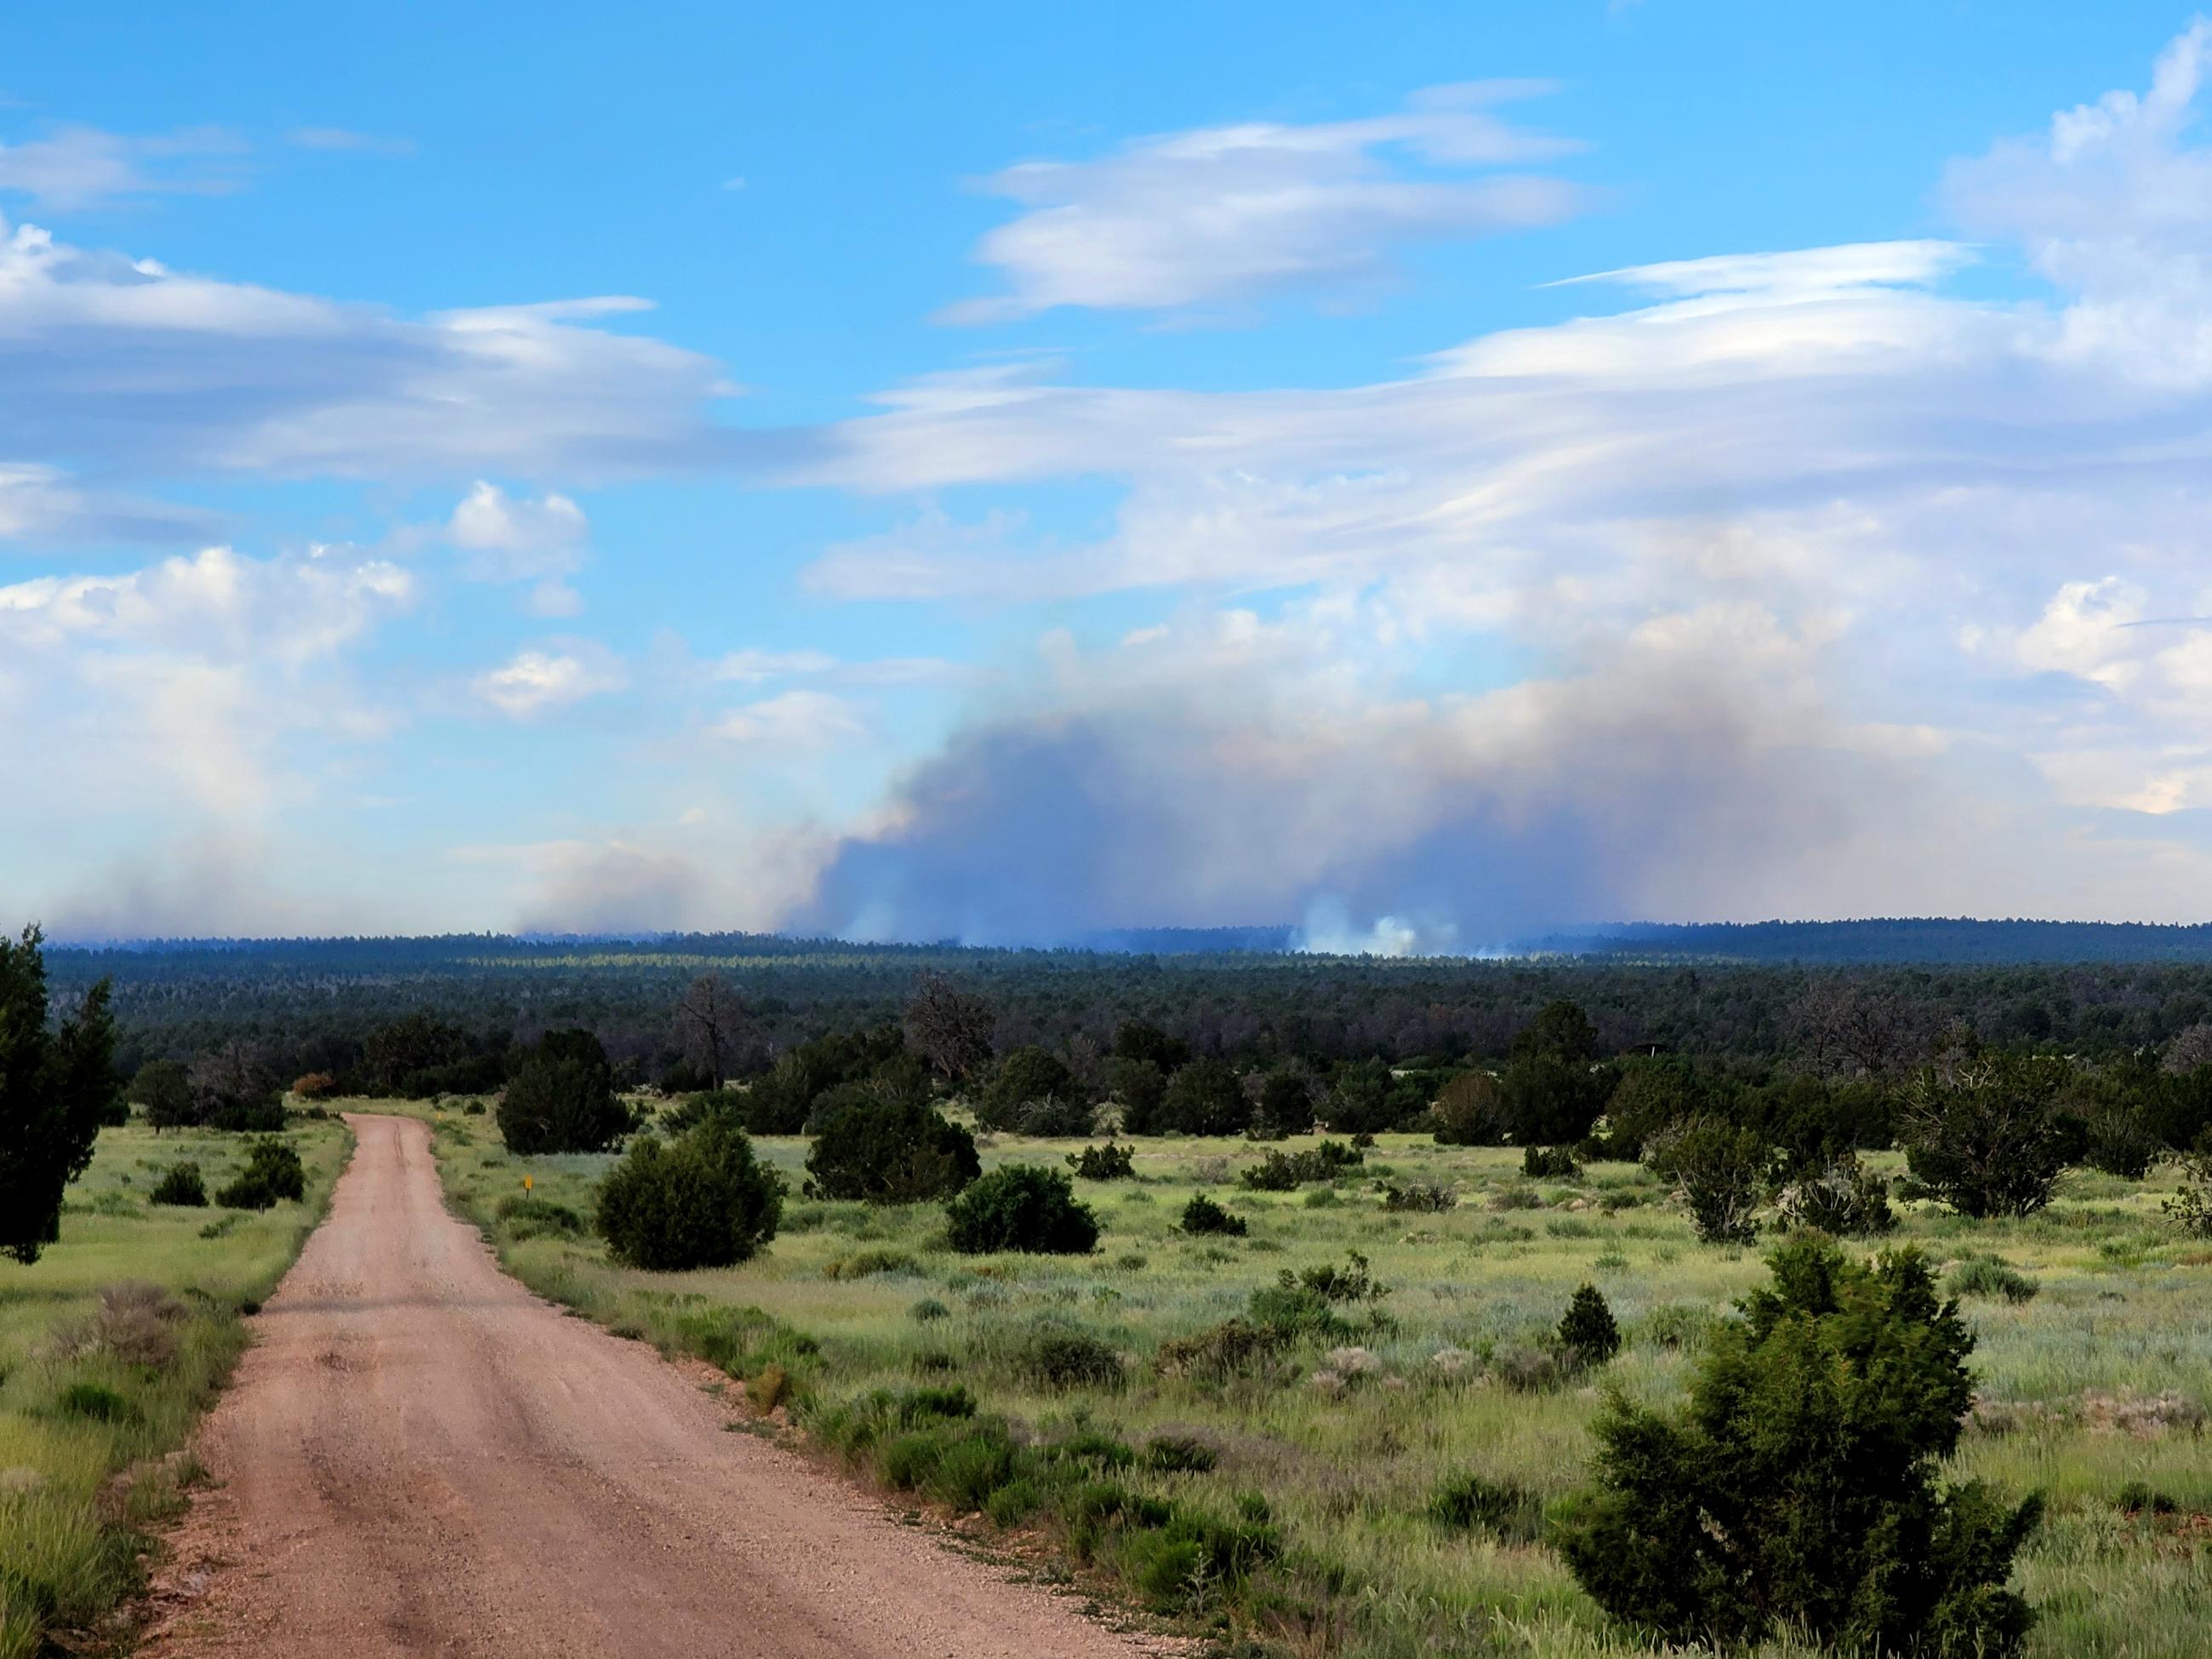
column 1421, row 473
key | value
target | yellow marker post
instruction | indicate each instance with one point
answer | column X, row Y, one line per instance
column 526, row 1183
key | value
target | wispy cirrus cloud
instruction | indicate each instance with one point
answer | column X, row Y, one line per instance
column 73, row 166
column 1224, row 215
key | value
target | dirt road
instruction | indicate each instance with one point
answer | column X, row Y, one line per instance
column 418, row 1456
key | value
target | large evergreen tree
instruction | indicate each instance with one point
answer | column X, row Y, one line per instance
column 57, row 1083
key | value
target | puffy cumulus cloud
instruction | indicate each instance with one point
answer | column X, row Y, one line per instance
column 1235, row 213
column 166, row 720
column 76, row 166
column 144, row 370
column 539, row 680
column 514, row 539
column 1805, row 586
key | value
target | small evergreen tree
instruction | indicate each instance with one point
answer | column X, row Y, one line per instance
column 893, row 1150
column 1799, row 1488
column 1021, row 1207
column 1985, row 1135
column 1203, row 1215
column 1587, row 1336
column 163, row 1090
column 1205, row 1098
column 1720, row 1172
column 701, row 1201
column 562, row 1099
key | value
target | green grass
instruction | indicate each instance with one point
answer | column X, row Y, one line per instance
column 2089, row 1385
column 87, row 1432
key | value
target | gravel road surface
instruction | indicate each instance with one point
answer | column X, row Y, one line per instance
column 419, row 1457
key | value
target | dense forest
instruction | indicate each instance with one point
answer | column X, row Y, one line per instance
column 312, row 1005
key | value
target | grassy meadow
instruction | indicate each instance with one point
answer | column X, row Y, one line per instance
column 2092, row 1387
column 98, row 1395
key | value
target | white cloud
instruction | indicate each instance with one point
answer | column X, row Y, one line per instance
column 511, row 539
column 800, row 720
column 76, row 166
column 535, row 682
column 127, row 364
column 1234, row 213
column 753, row 666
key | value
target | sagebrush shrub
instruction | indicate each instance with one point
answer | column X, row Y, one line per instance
column 701, row 1201
column 1991, row 1276
column 1021, row 1207
column 1202, row 1215
column 1282, row 1172
column 1421, row 1197
column 181, row 1184
column 1799, row 1488
column 528, row 1216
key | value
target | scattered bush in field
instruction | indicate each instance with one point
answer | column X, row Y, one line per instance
column 2190, row 1207
column 1516, row 1198
column 1111, row 1161
column 1203, row 1215
column 889, row 1151
column 1031, row 1092
column 1549, row 1164
column 1985, row 1135
column 1530, row 1371
column 1420, row 1197
column 1500, row 1510
column 701, row 1201
column 1353, row 1282
column 1283, row 1172
column 527, row 1216
column 1587, row 1336
column 136, row 1323
column 1235, row 1347
column 272, row 1173
column 2137, row 1498
column 862, row 1264
column 314, row 1085
column 1844, row 1198
column 928, row 1310
column 1469, row 1111
column 1799, row 1488
column 1021, row 1207
column 1071, row 1359
column 96, row 1403
column 1990, row 1276
column 562, row 1099
column 1720, row 1172
column 1179, row 1454
column 180, row 1184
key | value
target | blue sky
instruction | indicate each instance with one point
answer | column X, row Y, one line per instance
column 1001, row 471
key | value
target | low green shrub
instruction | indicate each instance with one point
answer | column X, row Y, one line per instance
column 1420, row 1197
column 1283, row 1172
column 96, row 1403
column 1549, row 1164
column 701, row 1201
column 180, row 1184
column 1991, row 1276
column 1202, row 1215
column 526, row 1216
column 1062, row 1358
column 1112, row 1162
column 1500, row 1510
column 273, row 1173
column 1021, row 1207
column 1587, row 1336
column 1179, row 1454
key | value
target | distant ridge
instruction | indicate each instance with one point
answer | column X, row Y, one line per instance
column 1959, row 941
